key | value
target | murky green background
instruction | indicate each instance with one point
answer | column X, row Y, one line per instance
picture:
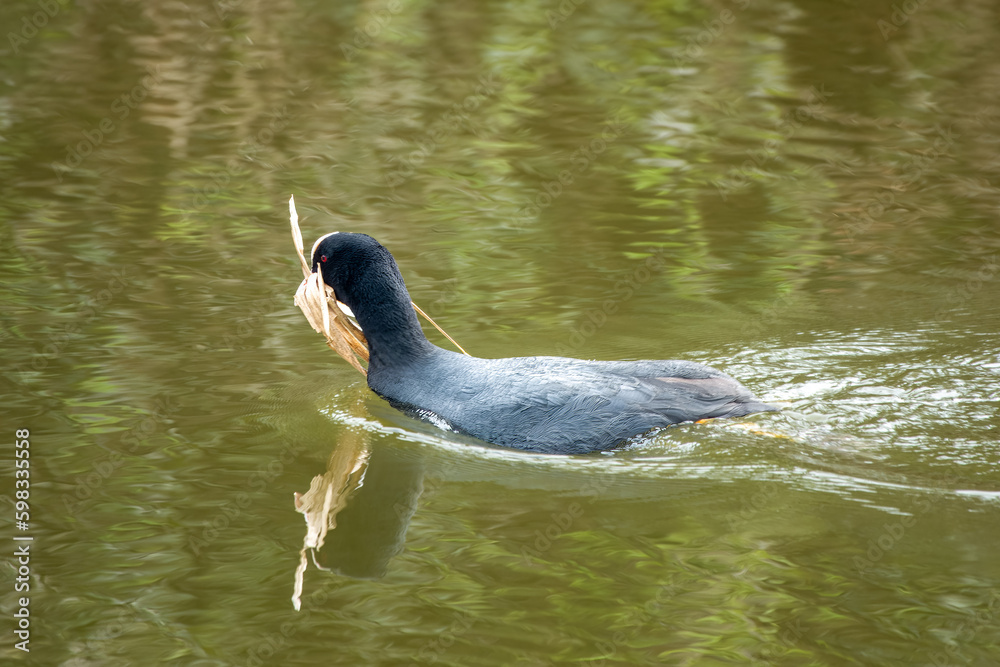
column 818, row 184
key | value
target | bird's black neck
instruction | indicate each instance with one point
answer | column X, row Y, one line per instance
column 382, row 307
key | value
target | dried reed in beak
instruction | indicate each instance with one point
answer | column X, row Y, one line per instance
column 318, row 303
column 328, row 316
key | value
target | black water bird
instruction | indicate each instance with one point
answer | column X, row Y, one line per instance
column 542, row 404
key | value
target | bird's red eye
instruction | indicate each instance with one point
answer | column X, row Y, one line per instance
column 322, row 258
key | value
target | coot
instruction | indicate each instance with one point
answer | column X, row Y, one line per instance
column 540, row 404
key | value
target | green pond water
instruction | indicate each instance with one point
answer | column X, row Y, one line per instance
column 803, row 194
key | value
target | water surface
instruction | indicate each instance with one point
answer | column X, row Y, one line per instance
column 802, row 194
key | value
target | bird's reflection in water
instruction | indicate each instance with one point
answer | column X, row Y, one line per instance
column 357, row 511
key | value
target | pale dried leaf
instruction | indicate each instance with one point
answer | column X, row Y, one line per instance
column 299, row 580
column 293, row 218
column 445, row 333
column 326, row 498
